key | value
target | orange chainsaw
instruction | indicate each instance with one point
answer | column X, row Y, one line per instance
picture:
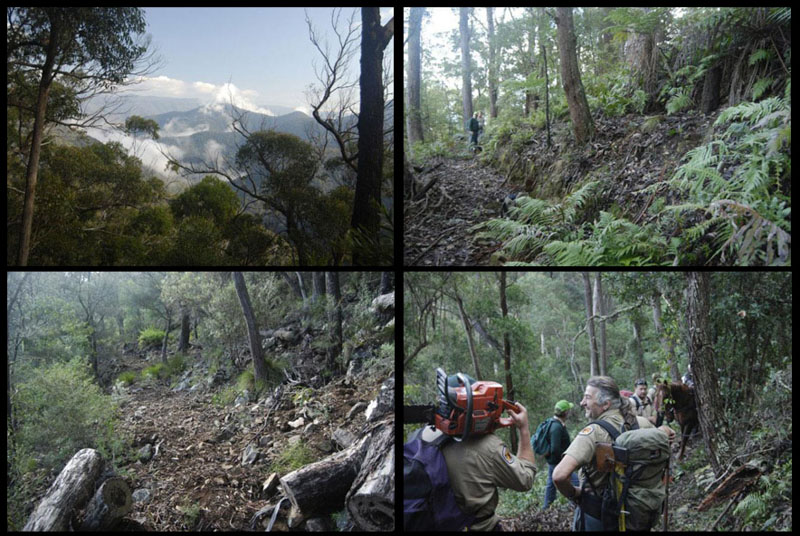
column 466, row 407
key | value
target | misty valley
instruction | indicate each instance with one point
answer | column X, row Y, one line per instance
column 197, row 173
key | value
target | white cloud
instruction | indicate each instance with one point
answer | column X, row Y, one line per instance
column 175, row 128
column 227, row 93
column 213, row 96
column 213, row 150
column 305, row 109
column 147, row 150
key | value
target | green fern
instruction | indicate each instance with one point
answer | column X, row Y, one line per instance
column 680, row 100
column 758, row 55
column 761, row 86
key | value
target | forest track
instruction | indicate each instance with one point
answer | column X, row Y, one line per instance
column 437, row 227
column 196, row 481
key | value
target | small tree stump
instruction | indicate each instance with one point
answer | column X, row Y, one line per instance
column 69, row 492
column 108, row 506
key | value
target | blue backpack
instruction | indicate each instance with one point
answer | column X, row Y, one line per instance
column 428, row 500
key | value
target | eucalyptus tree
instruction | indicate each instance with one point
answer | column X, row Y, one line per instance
column 86, row 47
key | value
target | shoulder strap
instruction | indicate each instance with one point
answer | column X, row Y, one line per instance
column 608, row 427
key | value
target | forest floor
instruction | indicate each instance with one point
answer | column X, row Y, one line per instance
column 197, row 479
column 437, row 227
column 627, row 154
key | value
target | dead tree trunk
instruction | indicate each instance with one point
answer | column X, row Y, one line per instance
column 322, row 486
column 69, row 492
column 108, row 506
column 370, row 501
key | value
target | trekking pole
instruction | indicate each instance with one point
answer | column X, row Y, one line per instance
column 666, row 498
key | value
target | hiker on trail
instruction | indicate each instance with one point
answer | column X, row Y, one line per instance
column 481, row 124
column 643, row 404
column 607, row 410
column 474, row 127
column 551, row 440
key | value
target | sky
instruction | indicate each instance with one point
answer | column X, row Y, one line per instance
column 261, row 56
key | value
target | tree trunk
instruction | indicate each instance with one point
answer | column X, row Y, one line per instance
column 261, row 371
column 322, row 486
column 507, row 354
column 167, row 329
column 318, row 280
column 704, row 369
column 571, row 77
column 492, row 64
column 108, row 506
column 32, row 171
column 367, row 202
column 710, row 99
column 183, row 343
column 600, row 311
column 587, row 300
column 414, row 119
column 70, row 492
column 334, row 318
column 370, row 500
column 466, row 69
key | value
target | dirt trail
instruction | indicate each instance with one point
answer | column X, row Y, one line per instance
column 197, row 480
column 436, row 227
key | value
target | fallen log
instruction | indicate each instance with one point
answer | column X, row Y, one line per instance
column 370, row 500
column 71, row 490
column 108, row 506
column 322, row 486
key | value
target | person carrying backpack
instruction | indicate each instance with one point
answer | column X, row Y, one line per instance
column 474, row 127
column 630, row 496
column 451, row 485
column 551, row 440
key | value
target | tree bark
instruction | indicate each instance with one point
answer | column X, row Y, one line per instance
column 571, row 77
column 492, row 64
column 367, row 202
column 108, row 506
column 704, row 369
column 261, row 371
column 466, row 69
column 587, row 299
column 413, row 68
column 71, row 490
column 183, row 343
column 370, row 500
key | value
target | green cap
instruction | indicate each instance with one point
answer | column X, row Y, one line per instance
column 563, row 405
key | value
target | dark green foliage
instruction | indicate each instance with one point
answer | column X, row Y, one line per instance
column 211, row 199
column 151, row 337
column 139, row 125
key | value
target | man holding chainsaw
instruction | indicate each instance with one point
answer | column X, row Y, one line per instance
column 606, row 410
column 477, row 461
column 482, row 464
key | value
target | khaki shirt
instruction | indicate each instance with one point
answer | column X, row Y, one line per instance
column 477, row 467
column 646, row 408
column 582, row 447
